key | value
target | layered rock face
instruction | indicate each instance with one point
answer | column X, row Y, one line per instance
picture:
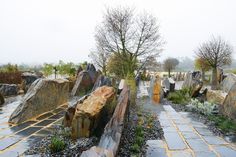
column 229, row 106
column 8, row 89
column 215, row 96
column 228, row 82
column 102, row 81
column 90, row 114
column 43, row 95
column 85, row 81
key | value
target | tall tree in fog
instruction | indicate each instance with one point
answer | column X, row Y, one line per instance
column 128, row 36
column 217, row 53
column 170, row 64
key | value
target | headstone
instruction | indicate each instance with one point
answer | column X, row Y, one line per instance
column 90, row 114
column 229, row 106
column 228, row 82
column 28, row 79
column 157, row 93
column 43, row 95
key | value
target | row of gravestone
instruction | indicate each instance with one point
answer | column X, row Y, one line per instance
column 225, row 97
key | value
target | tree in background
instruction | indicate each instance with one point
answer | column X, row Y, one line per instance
column 9, row 68
column 128, row 37
column 217, row 53
column 47, row 69
column 170, row 64
column 100, row 59
column 202, row 65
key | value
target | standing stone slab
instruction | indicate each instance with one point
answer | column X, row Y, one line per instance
column 228, row 82
column 43, row 95
column 94, row 110
column 229, row 106
column 8, row 89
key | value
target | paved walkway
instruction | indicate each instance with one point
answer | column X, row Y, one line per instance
column 184, row 136
column 15, row 140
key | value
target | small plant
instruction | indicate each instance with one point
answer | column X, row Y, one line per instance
column 139, row 140
column 57, row 144
column 135, row 148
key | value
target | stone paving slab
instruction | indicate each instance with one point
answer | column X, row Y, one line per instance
column 213, row 140
column 182, row 153
column 174, row 141
column 225, row 151
column 190, row 135
column 205, row 154
column 197, row 145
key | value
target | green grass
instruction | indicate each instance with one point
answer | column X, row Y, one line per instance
column 57, row 144
column 223, row 123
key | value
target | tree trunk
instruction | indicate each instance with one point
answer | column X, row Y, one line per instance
column 203, row 75
column 169, row 72
column 214, row 79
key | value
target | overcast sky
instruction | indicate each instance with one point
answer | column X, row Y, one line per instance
column 38, row 31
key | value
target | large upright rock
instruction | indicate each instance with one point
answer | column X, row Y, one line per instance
column 193, row 82
column 28, row 79
column 157, row 94
column 90, row 114
column 229, row 106
column 9, row 89
column 228, row 82
column 85, row 81
column 102, row 81
column 215, row 96
column 43, row 95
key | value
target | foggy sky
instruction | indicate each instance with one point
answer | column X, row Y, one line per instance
column 38, row 31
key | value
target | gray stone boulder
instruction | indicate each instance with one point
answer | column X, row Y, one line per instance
column 43, row 95
column 28, row 79
column 229, row 106
column 193, row 82
column 85, row 81
column 228, row 82
column 8, row 89
column 102, row 81
column 2, row 100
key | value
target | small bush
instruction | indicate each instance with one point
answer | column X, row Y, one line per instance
column 224, row 123
column 180, row 97
column 57, row 144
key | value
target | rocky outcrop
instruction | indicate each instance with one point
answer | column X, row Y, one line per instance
column 102, row 81
column 8, row 89
column 168, row 84
column 28, row 79
column 85, row 81
column 2, row 100
column 228, row 82
column 43, row 95
column 92, row 115
column 215, row 96
column 229, row 106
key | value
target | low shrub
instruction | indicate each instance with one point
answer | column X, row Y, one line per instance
column 180, row 97
column 10, row 77
column 139, row 140
column 135, row 148
column 57, row 144
column 224, row 123
column 205, row 108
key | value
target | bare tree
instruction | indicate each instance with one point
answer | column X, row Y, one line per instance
column 170, row 64
column 130, row 36
column 100, row 59
column 202, row 65
column 216, row 53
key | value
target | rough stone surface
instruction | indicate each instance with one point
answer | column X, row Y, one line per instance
column 157, row 90
column 1, row 99
column 8, row 89
column 215, row 96
column 228, row 82
column 43, row 95
column 27, row 80
column 92, row 111
column 102, row 81
column 229, row 106
column 85, row 81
